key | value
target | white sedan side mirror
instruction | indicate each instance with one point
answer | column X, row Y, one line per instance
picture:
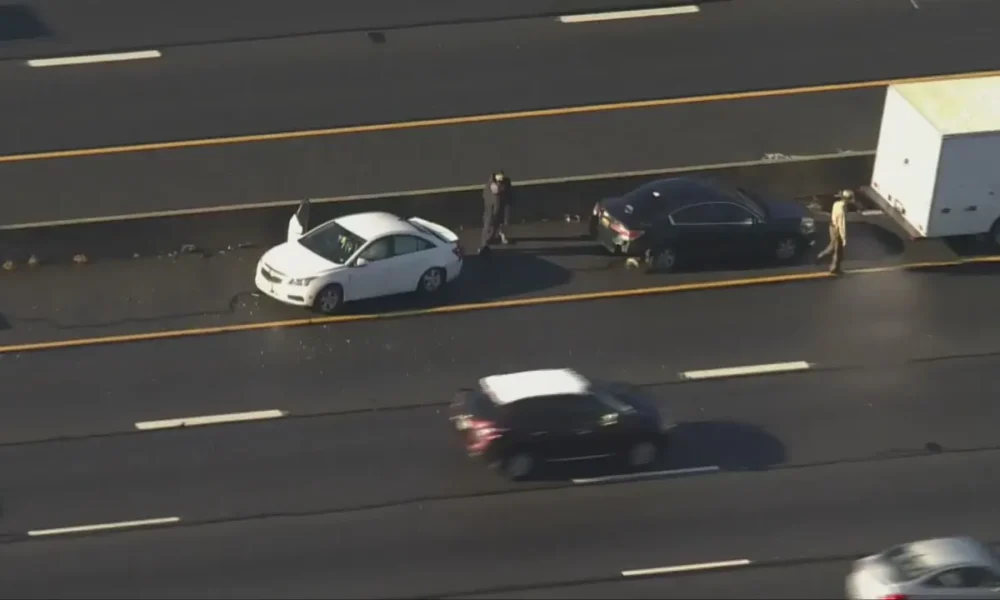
column 360, row 262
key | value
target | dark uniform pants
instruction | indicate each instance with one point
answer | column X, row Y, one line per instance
column 836, row 249
column 494, row 225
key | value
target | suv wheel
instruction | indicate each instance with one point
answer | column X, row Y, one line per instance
column 518, row 466
column 642, row 454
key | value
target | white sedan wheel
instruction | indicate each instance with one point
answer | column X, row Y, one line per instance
column 432, row 281
column 329, row 299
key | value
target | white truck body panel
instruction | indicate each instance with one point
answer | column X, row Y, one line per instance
column 937, row 163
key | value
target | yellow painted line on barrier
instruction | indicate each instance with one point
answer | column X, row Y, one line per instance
column 487, row 118
column 476, row 306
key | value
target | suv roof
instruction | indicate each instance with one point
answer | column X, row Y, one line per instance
column 511, row 387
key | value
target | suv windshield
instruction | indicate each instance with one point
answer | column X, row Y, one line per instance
column 613, row 394
column 332, row 242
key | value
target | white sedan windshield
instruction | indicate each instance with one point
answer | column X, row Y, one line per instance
column 332, row 242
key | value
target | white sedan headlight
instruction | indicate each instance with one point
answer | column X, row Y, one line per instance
column 301, row 281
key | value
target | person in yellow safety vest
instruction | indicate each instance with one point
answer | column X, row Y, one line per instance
column 838, row 232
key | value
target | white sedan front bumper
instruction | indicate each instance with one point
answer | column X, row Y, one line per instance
column 295, row 295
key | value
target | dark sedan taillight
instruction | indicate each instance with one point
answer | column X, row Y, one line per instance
column 482, row 433
column 625, row 232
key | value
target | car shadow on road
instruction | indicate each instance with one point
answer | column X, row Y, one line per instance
column 19, row 22
column 503, row 275
column 866, row 242
column 694, row 448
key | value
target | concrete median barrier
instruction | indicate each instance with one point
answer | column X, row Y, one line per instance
column 458, row 208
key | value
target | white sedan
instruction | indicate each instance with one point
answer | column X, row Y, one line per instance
column 359, row 256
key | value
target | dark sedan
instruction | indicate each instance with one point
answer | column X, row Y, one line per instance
column 683, row 219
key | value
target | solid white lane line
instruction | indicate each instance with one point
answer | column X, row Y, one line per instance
column 104, row 526
column 93, row 58
column 685, row 568
column 258, row 415
column 799, row 365
column 646, row 475
column 630, row 14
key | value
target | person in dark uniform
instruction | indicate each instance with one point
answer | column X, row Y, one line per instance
column 497, row 195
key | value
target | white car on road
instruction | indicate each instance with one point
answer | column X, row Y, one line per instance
column 359, row 256
column 951, row 567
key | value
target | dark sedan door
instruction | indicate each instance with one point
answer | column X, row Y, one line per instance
column 741, row 233
column 696, row 232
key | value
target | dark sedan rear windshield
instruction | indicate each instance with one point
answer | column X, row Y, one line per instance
column 646, row 199
column 332, row 242
column 638, row 205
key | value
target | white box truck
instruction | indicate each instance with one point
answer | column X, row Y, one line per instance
column 937, row 164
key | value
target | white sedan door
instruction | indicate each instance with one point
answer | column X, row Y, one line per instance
column 413, row 256
column 375, row 275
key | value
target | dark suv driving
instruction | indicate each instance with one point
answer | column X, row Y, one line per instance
column 517, row 421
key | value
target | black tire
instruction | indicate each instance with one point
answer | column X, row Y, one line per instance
column 432, row 281
column 642, row 454
column 518, row 466
column 329, row 300
column 787, row 249
column 663, row 260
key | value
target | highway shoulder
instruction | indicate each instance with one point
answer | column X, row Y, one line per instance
column 213, row 287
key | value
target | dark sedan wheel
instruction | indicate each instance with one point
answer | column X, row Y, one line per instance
column 786, row 249
column 664, row 259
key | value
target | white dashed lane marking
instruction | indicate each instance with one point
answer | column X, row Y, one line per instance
column 725, row 564
column 785, row 367
column 104, row 526
column 630, row 14
column 93, row 58
column 258, row 415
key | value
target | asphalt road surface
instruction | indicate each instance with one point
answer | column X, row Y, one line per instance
column 361, row 490
column 476, row 68
column 52, row 27
column 891, row 319
column 450, row 70
column 812, row 468
column 802, row 579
